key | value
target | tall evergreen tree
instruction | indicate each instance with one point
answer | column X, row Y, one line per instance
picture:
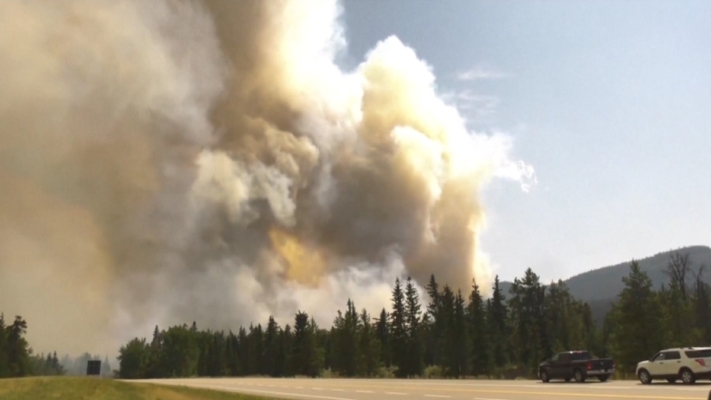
column 398, row 330
column 415, row 346
column 448, row 350
column 344, row 334
column 303, row 358
column 529, row 336
column 17, row 348
column 133, row 358
column 382, row 333
column 497, row 315
column 4, row 361
column 231, row 350
column 702, row 307
column 461, row 337
column 476, row 319
column 368, row 349
column 636, row 321
column 243, row 352
column 435, row 329
column 270, row 347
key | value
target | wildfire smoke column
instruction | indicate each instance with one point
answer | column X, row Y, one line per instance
column 184, row 160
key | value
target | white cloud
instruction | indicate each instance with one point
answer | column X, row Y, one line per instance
column 481, row 73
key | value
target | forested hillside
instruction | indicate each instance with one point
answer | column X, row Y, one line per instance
column 452, row 334
column 600, row 287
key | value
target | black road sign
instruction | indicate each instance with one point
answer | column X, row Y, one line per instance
column 93, row 367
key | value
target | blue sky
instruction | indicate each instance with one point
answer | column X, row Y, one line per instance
column 608, row 100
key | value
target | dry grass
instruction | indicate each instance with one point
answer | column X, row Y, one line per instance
column 71, row 388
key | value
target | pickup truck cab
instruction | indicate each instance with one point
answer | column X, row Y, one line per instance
column 578, row 365
column 687, row 364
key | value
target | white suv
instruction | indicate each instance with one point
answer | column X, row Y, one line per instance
column 687, row 364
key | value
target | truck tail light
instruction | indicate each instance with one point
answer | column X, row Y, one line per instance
column 589, row 365
column 701, row 362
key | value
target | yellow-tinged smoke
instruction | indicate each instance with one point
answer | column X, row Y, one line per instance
column 303, row 265
column 169, row 161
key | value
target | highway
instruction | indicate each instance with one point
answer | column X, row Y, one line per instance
column 386, row 389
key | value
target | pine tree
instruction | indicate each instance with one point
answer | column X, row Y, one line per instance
column 497, row 315
column 368, row 349
column 284, row 351
column 461, row 337
column 303, row 358
column 636, row 321
column 476, row 318
column 270, row 347
column 133, row 359
column 382, row 333
column 4, row 361
column 344, row 336
column 243, row 353
column 448, row 350
column 414, row 340
column 256, row 350
column 398, row 330
column 529, row 339
column 702, row 307
column 17, row 348
column 434, row 330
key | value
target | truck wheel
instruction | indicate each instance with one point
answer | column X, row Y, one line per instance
column 579, row 377
column 687, row 376
column 644, row 376
column 544, row 376
column 603, row 378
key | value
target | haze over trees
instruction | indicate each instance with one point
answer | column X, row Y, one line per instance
column 17, row 358
column 452, row 334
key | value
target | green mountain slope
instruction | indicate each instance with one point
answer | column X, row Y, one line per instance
column 600, row 287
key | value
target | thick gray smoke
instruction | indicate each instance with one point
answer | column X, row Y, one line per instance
column 170, row 161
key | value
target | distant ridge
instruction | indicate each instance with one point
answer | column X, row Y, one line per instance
column 606, row 283
column 600, row 287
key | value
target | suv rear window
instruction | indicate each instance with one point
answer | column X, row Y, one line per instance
column 698, row 353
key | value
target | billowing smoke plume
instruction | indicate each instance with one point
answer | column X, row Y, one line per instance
column 170, row 161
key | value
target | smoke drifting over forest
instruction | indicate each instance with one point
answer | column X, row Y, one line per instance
column 170, row 161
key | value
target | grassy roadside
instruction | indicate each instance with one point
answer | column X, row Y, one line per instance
column 73, row 388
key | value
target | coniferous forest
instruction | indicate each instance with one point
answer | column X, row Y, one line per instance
column 449, row 334
column 16, row 357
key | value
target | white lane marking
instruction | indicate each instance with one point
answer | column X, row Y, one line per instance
column 233, row 389
column 364, row 391
column 299, row 387
column 395, row 393
column 316, row 388
column 438, row 395
column 485, row 398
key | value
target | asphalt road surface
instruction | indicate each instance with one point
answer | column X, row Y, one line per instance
column 382, row 389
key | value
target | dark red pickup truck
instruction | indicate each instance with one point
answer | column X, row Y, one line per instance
column 578, row 365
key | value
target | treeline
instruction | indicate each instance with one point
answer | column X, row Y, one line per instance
column 77, row 365
column 454, row 334
column 643, row 320
column 16, row 357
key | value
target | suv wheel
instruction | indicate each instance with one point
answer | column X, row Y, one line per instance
column 687, row 376
column 544, row 376
column 644, row 377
